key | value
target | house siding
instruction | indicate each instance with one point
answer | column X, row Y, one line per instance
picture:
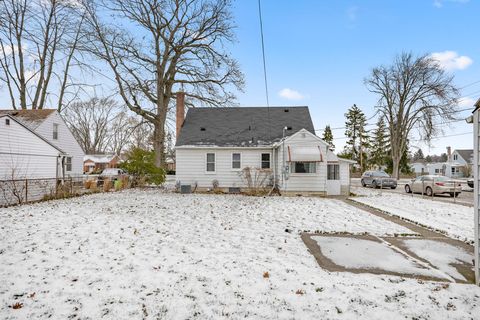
column 191, row 166
column 25, row 155
column 66, row 141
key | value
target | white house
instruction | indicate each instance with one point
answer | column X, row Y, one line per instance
column 26, row 154
column 463, row 156
column 51, row 128
column 419, row 168
column 215, row 144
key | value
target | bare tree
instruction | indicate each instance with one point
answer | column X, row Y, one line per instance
column 121, row 130
column 414, row 93
column 168, row 46
column 90, row 122
column 38, row 42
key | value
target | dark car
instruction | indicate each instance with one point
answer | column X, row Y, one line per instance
column 470, row 183
column 378, row 179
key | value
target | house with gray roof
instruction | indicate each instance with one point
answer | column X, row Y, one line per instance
column 215, row 146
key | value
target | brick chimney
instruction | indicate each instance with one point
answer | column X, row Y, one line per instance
column 449, row 154
column 180, row 111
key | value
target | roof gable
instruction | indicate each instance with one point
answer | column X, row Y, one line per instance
column 31, row 118
column 466, row 154
column 242, row 126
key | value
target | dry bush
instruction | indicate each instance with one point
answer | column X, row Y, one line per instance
column 125, row 182
column 107, row 185
column 256, row 179
column 266, row 275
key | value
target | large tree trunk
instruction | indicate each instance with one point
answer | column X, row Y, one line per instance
column 159, row 144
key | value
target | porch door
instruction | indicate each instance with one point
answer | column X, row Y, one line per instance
column 333, row 179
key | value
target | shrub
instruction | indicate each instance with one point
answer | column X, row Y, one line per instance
column 141, row 163
column 256, row 179
column 107, row 185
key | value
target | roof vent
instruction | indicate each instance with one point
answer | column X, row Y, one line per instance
column 289, row 128
column 286, row 110
column 202, row 129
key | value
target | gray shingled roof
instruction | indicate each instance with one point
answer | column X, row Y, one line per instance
column 31, row 118
column 466, row 154
column 242, row 126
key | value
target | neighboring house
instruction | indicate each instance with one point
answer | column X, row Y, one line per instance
column 448, row 169
column 463, row 156
column 26, row 154
column 98, row 162
column 48, row 124
column 170, row 163
column 215, row 144
column 419, row 168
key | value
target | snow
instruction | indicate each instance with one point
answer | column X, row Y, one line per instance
column 455, row 220
column 148, row 254
column 440, row 254
column 364, row 254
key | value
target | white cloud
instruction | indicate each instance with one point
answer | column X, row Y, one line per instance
column 466, row 102
column 290, row 94
column 352, row 13
column 450, row 60
column 439, row 3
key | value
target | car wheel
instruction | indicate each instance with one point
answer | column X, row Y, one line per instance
column 454, row 194
column 429, row 191
column 407, row 189
column 363, row 183
column 393, row 188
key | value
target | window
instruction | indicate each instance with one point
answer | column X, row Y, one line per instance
column 68, row 164
column 236, row 160
column 7, row 122
column 210, row 162
column 303, row 167
column 455, row 157
column 265, row 160
column 333, row 172
column 55, row 131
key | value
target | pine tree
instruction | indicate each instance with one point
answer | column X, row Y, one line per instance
column 357, row 143
column 379, row 144
column 418, row 155
column 328, row 137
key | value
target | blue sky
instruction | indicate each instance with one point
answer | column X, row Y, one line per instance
column 319, row 52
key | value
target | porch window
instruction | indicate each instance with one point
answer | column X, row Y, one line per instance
column 303, row 167
column 265, row 160
column 68, row 164
column 210, row 162
column 333, row 172
column 236, row 160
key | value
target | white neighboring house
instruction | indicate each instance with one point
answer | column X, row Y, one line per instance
column 463, row 156
column 26, row 154
column 419, row 168
column 50, row 126
column 215, row 144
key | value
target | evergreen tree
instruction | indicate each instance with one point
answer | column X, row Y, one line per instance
column 357, row 136
column 328, row 137
column 418, row 155
column 379, row 144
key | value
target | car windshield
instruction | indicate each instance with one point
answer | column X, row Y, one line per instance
column 381, row 174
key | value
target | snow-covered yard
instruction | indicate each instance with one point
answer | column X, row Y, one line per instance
column 455, row 220
column 146, row 254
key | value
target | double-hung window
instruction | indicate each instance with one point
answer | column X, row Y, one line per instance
column 236, row 160
column 210, row 162
column 55, row 131
column 333, row 172
column 303, row 167
column 68, row 164
column 265, row 160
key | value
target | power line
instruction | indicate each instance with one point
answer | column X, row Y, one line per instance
column 263, row 52
column 469, row 85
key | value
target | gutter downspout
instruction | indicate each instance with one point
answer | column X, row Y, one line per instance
column 284, row 166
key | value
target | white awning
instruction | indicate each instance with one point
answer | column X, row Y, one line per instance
column 305, row 154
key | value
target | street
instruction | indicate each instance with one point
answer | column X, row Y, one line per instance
column 464, row 198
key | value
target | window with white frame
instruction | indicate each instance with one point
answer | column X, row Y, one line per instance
column 236, row 160
column 455, row 157
column 210, row 162
column 265, row 160
column 333, row 172
column 68, row 164
column 55, row 131
column 303, row 167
